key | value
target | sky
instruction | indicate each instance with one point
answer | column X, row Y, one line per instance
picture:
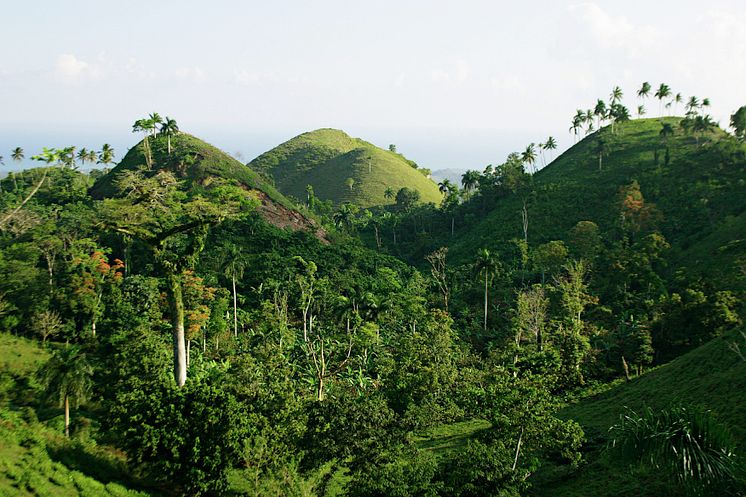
column 452, row 84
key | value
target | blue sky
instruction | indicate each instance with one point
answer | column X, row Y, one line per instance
column 453, row 84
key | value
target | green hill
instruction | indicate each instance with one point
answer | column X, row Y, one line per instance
column 712, row 377
column 700, row 196
column 326, row 158
column 196, row 161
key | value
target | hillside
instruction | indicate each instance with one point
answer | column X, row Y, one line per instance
column 712, row 377
column 35, row 459
column 326, row 158
column 195, row 161
column 699, row 197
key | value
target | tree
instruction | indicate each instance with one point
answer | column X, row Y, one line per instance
column 550, row 144
column 531, row 316
column 172, row 223
column 438, row 270
column 445, row 187
column 50, row 156
column 106, row 155
column 684, row 442
column 616, row 95
column 644, row 90
column 692, row 106
column 549, row 257
column 389, row 193
column 601, row 149
column 663, row 91
column 677, row 100
column 600, row 112
column 350, row 182
column 47, row 324
column 344, row 217
column 487, row 265
column 470, row 180
column 407, row 198
column 392, row 148
column 17, row 154
column 66, row 376
column 83, row 155
column 641, row 111
column 145, row 126
column 169, row 128
column 528, row 156
column 738, row 122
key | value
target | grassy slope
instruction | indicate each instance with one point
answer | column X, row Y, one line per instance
column 711, row 376
column 210, row 161
column 701, row 194
column 325, row 158
column 35, row 460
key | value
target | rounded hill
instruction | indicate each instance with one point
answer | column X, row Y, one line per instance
column 196, row 161
column 342, row 169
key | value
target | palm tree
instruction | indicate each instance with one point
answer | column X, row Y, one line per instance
column 644, row 91
column 589, row 120
column 343, row 217
column 702, row 125
column 601, row 149
column 688, row 443
column 470, row 180
column 663, row 91
column 83, row 155
column 677, row 100
column 577, row 122
column 705, row 102
column 600, row 112
column 146, row 127
column 92, row 156
column 155, row 120
column 106, row 155
column 17, row 154
column 550, row 144
column 389, row 193
column 488, row 266
column 616, row 95
column 169, row 128
column 66, row 376
column 445, row 187
column 529, row 155
column 640, row 111
column 666, row 131
column 234, row 265
column 692, row 105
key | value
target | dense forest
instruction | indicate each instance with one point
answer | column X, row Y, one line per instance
column 175, row 325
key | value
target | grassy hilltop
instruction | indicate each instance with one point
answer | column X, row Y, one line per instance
column 326, row 158
column 197, row 161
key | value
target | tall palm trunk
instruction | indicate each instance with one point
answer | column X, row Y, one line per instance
column 485, row 301
column 67, row 416
column 177, row 322
column 235, row 307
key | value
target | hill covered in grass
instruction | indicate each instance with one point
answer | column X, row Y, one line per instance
column 711, row 377
column 696, row 197
column 194, row 160
column 327, row 158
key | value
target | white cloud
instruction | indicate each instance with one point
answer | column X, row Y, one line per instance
column 71, row 69
column 616, row 32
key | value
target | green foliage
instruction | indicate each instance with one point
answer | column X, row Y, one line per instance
column 686, row 443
